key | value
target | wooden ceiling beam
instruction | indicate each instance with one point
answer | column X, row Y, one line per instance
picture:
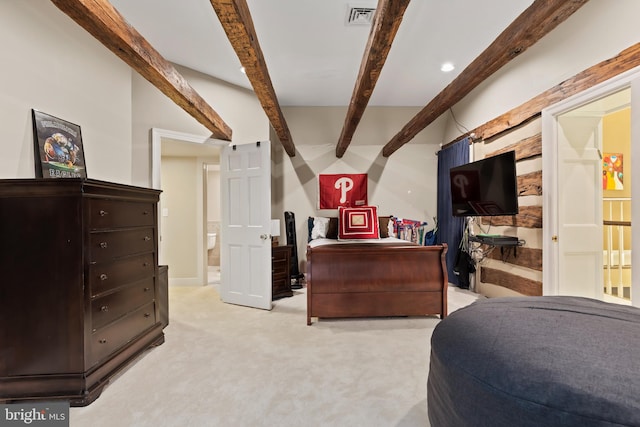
column 385, row 25
column 534, row 23
column 237, row 23
column 106, row 24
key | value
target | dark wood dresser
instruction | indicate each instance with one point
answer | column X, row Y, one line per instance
column 80, row 285
column 280, row 272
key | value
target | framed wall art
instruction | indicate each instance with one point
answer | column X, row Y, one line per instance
column 612, row 172
column 349, row 190
column 58, row 147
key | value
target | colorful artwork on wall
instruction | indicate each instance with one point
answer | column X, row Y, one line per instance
column 612, row 174
column 58, row 147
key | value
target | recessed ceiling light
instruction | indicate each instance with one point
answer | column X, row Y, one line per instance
column 446, row 67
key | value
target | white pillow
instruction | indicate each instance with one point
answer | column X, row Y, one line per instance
column 320, row 227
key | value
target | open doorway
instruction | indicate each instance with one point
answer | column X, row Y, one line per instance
column 178, row 169
column 616, row 201
column 211, row 186
column 588, row 211
column 607, row 123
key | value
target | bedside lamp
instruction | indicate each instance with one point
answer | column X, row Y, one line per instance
column 275, row 231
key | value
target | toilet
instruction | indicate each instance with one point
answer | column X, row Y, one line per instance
column 211, row 240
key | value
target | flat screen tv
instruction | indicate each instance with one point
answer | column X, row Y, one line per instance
column 487, row 187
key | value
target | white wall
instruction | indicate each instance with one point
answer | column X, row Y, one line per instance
column 403, row 184
column 53, row 65
column 180, row 227
column 238, row 107
column 183, row 225
column 213, row 194
column 599, row 30
column 213, row 211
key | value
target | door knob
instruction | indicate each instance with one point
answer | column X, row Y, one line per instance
column 265, row 236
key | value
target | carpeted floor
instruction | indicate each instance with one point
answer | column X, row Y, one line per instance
column 226, row 365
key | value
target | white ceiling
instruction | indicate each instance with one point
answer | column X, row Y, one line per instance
column 313, row 57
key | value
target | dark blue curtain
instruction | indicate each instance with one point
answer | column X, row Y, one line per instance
column 450, row 228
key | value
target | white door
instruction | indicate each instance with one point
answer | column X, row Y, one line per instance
column 579, row 190
column 572, row 195
column 245, row 256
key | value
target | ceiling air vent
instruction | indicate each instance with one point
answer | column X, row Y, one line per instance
column 360, row 15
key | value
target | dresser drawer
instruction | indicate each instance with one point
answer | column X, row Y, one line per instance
column 280, row 272
column 110, row 307
column 113, row 336
column 105, row 213
column 278, row 285
column 106, row 246
column 106, row 276
column 279, row 266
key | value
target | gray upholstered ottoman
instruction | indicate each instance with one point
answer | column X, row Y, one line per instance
column 536, row 361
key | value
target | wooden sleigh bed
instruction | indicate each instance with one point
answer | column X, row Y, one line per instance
column 390, row 277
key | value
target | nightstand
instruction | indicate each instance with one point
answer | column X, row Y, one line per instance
column 280, row 272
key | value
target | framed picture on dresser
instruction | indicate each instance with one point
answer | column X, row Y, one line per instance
column 58, row 151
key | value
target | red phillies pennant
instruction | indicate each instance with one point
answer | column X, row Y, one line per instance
column 342, row 190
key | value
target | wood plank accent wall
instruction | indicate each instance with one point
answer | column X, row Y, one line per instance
column 516, row 283
column 514, row 271
column 530, row 184
column 525, row 149
column 626, row 60
column 517, row 269
column 521, row 256
column 529, row 216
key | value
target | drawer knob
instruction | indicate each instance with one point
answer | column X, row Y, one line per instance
column 145, row 264
column 147, row 315
column 104, row 308
column 145, row 213
column 103, row 245
column 147, row 238
column 103, row 213
column 102, row 341
column 103, row 276
column 147, row 289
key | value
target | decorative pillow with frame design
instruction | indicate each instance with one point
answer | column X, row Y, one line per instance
column 358, row 223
